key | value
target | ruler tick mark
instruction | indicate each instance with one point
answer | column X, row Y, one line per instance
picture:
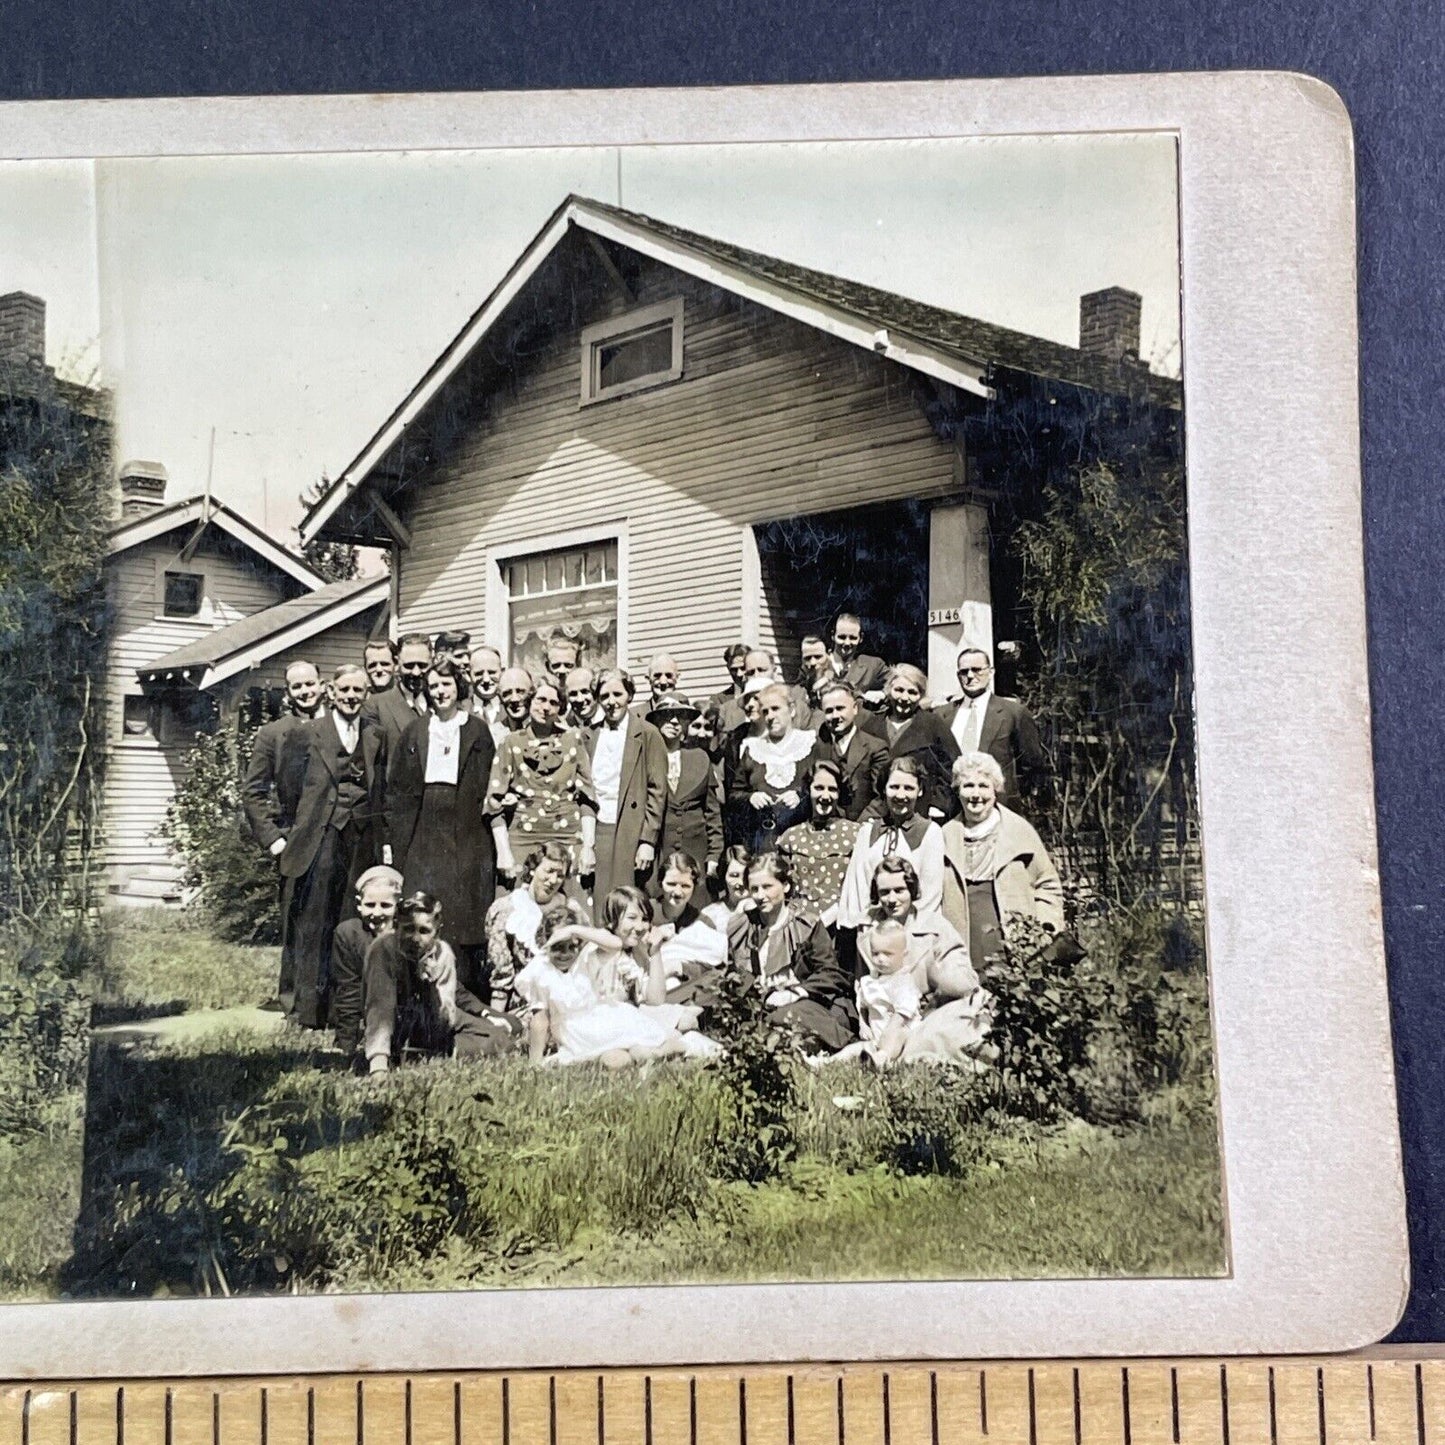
column 552, row 1410
column 1124, row 1401
column 265, row 1416
column 456, row 1412
column 601, row 1412
column 692, row 1409
column 406, row 1412
column 1174, row 1400
column 1419, row 1406
column 74, row 1417
column 25, row 1419
column 646, row 1411
column 361, row 1413
column 933, row 1407
column 1370, row 1396
column 506, row 1413
column 982, row 1403
column 742, row 1412
column 1320, row 1401
column 311, row 1415
column 1273, row 1421
column 215, row 1418
column 887, row 1413
column 1078, row 1411
column 842, row 1432
column 170, row 1434
column 1224, row 1405
column 120, row 1416
column 792, row 1424
column 1033, row 1412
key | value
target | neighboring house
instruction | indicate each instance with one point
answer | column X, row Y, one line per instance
column 205, row 610
column 651, row 439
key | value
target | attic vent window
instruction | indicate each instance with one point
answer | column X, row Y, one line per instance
column 183, row 594
column 633, row 352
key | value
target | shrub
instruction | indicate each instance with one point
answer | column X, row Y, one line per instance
column 204, row 827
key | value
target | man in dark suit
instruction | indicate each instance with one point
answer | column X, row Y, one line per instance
column 729, row 702
column 629, row 776
column 396, row 706
column 861, row 756
column 269, row 794
column 378, row 657
column 334, row 838
column 864, row 673
column 983, row 722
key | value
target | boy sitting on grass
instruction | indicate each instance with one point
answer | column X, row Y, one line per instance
column 376, row 893
column 413, row 998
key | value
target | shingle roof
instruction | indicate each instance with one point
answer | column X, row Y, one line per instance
column 962, row 336
column 252, row 633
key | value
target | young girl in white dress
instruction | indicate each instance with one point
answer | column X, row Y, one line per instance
column 890, row 999
column 568, row 1012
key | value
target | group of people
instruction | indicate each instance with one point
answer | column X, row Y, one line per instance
column 478, row 859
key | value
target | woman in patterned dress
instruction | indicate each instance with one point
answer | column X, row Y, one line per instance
column 541, row 788
column 819, row 850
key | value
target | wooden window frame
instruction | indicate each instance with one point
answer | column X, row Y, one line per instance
column 618, row 328
column 206, row 615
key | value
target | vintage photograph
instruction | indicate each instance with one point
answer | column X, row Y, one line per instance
column 599, row 716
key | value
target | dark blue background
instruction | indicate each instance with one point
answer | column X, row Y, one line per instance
column 1383, row 56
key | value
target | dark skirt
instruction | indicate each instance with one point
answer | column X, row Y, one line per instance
column 453, row 858
column 985, row 931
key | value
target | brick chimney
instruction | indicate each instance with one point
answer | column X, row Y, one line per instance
column 1109, row 323
column 142, row 488
column 22, row 330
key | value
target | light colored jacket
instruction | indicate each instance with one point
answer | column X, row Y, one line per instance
column 1026, row 880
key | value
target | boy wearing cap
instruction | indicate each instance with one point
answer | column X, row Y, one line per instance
column 377, row 891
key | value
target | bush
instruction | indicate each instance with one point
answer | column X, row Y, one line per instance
column 204, row 827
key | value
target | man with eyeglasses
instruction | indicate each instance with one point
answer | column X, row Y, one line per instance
column 983, row 722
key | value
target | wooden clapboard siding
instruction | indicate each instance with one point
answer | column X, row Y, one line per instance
column 771, row 419
column 141, row 775
column 327, row 651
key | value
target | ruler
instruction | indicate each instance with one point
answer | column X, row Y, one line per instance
column 1376, row 1396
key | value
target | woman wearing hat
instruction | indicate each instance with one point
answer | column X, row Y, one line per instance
column 768, row 785
column 692, row 813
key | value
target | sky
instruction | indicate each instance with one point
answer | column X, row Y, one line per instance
column 259, row 317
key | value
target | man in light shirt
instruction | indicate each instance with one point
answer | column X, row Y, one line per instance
column 983, row 722
column 486, row 673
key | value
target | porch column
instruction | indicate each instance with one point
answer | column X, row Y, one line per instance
column 959, row 602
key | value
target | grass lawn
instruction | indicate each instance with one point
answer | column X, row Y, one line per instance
column 39, row 1196
column 162, row 960
column 252, row 1161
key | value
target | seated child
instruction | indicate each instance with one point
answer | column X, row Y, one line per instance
column 567, row 1012
column 413, row 998
column 890, row 1001
column 376, row 893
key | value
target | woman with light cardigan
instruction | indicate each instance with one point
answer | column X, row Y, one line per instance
column 995, row 865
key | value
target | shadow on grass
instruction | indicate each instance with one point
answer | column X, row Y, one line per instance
column 156, row 1147
column 105, row 1012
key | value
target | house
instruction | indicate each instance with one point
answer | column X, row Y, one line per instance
column 205, row 612
column 652, row 439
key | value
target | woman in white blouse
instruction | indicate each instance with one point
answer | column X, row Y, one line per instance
column 441, row 840
column 769, row 789
column 902, row 833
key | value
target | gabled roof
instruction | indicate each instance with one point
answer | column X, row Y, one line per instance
column 956, row 349
column 132, row 531
column 251, row 641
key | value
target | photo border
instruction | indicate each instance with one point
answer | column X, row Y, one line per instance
column 1314, row 1197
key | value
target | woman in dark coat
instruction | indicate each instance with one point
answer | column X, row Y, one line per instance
column 914, row 731
column 692, row 814
column 441, row 841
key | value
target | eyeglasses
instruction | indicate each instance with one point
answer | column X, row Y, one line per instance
column 972, row 671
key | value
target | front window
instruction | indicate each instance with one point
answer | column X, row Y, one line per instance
column 569, row 592
column 184, row 591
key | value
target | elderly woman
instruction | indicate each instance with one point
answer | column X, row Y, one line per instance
column 820, row 848
column 913, row 731
column 540, row 790
column 692, row 814
column 436, row 786
column 513, row 920
column 957, row 1010
column 900, row 832
column 994, row 864
column 768, row 784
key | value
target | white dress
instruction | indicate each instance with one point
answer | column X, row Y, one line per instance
column 884, row 998
column 582, row 1025
column 616, row 977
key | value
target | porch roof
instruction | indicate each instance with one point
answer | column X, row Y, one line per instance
column 251, row 641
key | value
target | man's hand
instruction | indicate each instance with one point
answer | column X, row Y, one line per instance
column 645, row 854
column 587, row 861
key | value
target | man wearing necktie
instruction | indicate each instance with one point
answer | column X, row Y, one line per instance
column 983, row 722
